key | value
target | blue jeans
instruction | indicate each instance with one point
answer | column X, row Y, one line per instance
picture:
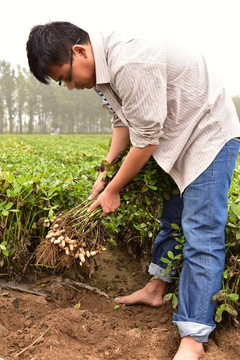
column 201, row 214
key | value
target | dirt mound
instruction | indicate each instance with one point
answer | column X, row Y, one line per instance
column 60, row 319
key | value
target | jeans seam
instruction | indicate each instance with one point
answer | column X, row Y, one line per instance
column 228, row 158
column 208, row 235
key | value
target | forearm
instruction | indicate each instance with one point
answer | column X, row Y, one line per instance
column 109, row 199
column 133, row 163
column 120, row 141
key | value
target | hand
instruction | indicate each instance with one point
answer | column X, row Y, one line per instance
column 108, row 201
column 98, row 186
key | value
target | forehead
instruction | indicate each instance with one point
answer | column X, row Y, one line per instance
column 58, row 72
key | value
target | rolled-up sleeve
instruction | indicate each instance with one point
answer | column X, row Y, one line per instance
column 142, row 89
column 116, row 122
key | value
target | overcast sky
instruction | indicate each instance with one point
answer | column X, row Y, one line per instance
column 212, row 25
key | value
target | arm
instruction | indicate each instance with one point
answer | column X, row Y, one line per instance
column 109, row 199
column 120, row 141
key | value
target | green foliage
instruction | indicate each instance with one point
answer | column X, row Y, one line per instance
column 42, row 175
column 228, row 297
column 173, row 297
column 136, row 222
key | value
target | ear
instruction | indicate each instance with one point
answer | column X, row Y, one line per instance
column 80, row 50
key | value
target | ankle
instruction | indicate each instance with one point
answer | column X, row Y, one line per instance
column 193, row 345
column 156, row 286
column 189, row 349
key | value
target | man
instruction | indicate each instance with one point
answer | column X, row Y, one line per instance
column 167, row 103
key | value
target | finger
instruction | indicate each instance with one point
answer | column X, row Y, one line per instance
column 105, row 214
column 93, row 194
column 93, row 206
column 108, row 211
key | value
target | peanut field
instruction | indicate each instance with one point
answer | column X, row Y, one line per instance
column 41, row 175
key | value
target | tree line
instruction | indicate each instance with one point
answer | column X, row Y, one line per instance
column 27, row 106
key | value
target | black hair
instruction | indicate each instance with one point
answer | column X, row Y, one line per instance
column 51, row 44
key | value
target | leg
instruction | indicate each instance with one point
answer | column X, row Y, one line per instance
column 204, row 219
column 152, row 293
column 166, row 239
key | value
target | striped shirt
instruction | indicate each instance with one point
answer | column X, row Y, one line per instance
column 167, row 96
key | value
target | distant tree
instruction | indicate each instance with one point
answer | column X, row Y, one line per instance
column 21, row 97
column 47, row 108
column 27, row 106
column 8, row 84
column 32, row 101
column 1, row 109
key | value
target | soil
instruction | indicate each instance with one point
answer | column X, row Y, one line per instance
column 56, row 317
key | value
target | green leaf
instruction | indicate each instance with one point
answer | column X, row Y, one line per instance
column 170, row 254
column 233, row 297
column 222, row 308
column 236, row 209
column 175, row 301
column 5, row 213
column 218, row 315
column 230, row 309
column 12, row 193
column 9, row 205
column 5, row 253
column 166, row 195
column 116, row 307
column 152, row 187
column 168, row 296
column 225, row 275
column 164, row 260
column 77, row 306
column 175, row 226
column 113, row 242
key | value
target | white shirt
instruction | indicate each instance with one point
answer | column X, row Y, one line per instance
column 167, row 96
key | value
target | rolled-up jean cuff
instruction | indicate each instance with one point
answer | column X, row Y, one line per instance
column 157, row 272
column 197, row 331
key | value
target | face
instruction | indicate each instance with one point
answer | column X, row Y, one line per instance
column 83, row 69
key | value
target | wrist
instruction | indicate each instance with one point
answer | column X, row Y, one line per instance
column 111, row 189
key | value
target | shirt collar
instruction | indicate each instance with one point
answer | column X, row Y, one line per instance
column 101, row 68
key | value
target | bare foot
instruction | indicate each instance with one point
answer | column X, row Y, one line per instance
column 150, row 295
column 189, row 349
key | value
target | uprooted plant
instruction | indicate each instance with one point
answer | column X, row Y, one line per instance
column 75, row 235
